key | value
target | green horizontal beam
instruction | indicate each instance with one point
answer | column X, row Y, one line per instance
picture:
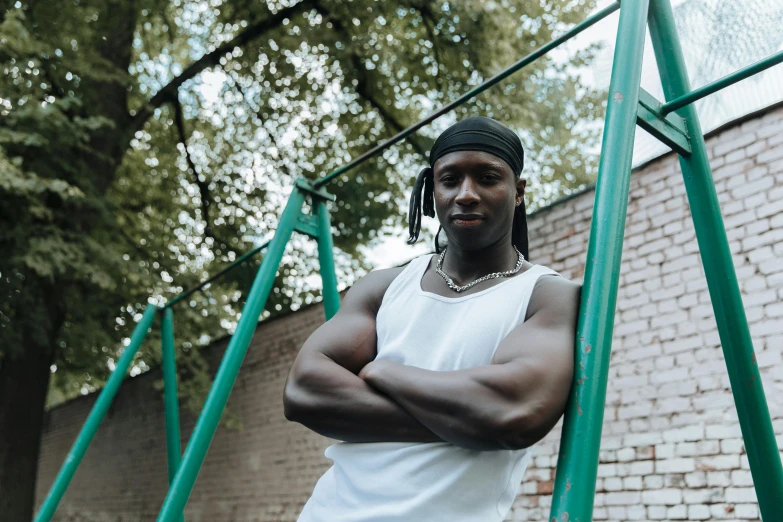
column 527, row 60
column 701, row 92
column 307, row 224
column 669, row 129
column 98, row 412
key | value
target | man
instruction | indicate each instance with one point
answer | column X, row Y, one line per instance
column 438, row 376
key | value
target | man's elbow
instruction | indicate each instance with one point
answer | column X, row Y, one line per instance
column 523, row 428
column 295, row 400
column 291, row 409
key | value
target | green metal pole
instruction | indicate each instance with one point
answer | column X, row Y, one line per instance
column 326, row 259
column 760, row 444
column 170, row 398
column 574, row 489
column 207, row 423
column 79, row 448
column 706, row 90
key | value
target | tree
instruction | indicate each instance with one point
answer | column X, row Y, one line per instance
column 146, row 144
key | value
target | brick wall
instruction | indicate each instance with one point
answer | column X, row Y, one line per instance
column 671, row 447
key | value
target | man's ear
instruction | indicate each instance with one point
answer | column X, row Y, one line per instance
column 520, row 197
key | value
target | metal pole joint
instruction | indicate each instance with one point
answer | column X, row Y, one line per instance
column 312, row 190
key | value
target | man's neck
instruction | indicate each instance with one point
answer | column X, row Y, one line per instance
column 465, row 266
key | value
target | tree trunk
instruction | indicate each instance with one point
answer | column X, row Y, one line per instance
column 24, row 381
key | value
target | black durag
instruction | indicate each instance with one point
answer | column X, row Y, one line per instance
column 479, row 134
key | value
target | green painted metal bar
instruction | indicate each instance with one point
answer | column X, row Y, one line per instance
column 98, row 412
column 207, row 423
column 313, row 190
column 731, row 79
column 170, row 398
column 574, row 489
column 331, row 296
column 527, row 60
column 754, row 418
column 670, row 129
column 244, row 257
column 307, row 224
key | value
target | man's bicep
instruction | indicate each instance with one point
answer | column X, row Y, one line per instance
column 536, row 360
column 349, row 338
column 539, row 353
column 548, row 335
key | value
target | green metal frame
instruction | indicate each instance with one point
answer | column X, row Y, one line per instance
column 744, row 375
column 572, row 496
column 674, row 123
column 90, row 427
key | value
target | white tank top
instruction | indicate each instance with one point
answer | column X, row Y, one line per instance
column 429, row 482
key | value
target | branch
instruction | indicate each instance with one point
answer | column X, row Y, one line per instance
column 203, row 186
column 363, row 87
column 212, row 58
column 427, row 17
column 170, row 32
column 256, row 111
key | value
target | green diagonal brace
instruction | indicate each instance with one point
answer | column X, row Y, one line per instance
column 207, row 423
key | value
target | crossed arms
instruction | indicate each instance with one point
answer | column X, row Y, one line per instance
column 338, row 389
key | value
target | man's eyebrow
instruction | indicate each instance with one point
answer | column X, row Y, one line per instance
column 495, row 165
column 491, row 164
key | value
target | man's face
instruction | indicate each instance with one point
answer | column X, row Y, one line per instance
column 475, row 197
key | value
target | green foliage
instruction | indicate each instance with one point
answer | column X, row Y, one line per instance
column 103, row 206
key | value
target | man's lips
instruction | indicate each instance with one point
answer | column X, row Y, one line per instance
column 467, row 220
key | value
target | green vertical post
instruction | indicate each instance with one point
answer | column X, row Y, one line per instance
column 207, row 423
column 79, row 448
column 331, row 296
column 754, row 418
column 574, row 488
column 170, row 398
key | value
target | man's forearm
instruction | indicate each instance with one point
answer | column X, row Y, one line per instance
column 336, row 403
column 458, row 406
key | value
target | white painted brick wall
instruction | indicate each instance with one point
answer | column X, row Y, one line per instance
column 672, row 448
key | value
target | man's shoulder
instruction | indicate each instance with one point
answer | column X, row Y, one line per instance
column 379, row 280
column 554, row 291
column 371, row 288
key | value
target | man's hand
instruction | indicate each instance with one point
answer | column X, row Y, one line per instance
column 374, row 370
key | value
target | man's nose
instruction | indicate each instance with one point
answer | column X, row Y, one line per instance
column 468, row 194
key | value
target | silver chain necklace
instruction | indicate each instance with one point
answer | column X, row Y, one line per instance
column 495, row 275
